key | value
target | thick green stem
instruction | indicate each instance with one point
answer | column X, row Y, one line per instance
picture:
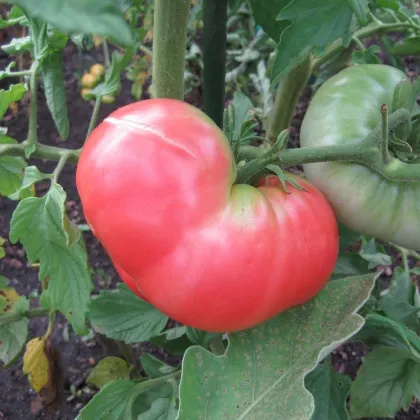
column 215, row 18
column 41, row 152
column 169, row 46
column 383, row 142
column 287, row 96
column 33, row 110
column 127, row 353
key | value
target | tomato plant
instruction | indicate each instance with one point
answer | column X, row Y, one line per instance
column 240, row 242
column 212, row 255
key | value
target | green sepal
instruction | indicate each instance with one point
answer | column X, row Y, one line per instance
column 284, row 178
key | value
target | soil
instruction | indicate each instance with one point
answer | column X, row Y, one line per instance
column 75, row 356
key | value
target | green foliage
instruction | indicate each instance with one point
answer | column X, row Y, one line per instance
column 121, row 315
column 40, row 224
column 330, row 390
column 264, row 366
column 103, row 18
column 108, row 370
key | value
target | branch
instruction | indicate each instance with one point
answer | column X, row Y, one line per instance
column 41, row 152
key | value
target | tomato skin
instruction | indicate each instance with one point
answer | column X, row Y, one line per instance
column 156, row 184
column 129, row 281
column 345, row 109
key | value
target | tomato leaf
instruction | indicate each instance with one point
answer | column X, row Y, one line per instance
column 370, row 253
column 381, row 331
column 31, row 176
column 202, row 338
column 121, row 315
column 367, row 56
column 266, row 365
column 124, row 399
column 407, row 46
column 390, row 375
column 161, row 409
column 18, row 46
column 13, row 94
column 103, row 18
column 398, row 300
column 36, row 364
column 12, row 339
column 108, row 370
column 39, row 224
column 154, row 367
column 174, row 340
column 316, row 25
column 12, row 334
column 113, row 75
column 52, row 68
column 361, row 10
column 330, row 390
column 266, row 16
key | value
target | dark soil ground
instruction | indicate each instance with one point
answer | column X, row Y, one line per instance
column 76, row 356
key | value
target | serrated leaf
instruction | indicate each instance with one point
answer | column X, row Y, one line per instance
column 109, row 369
column 161, row 409
column 52, row 69
column 389, row 4
column 121, row 315
column 13, row 94
column 316, row 25
column 175, row 340
column 112, row 403
column 361, row 10
column 12, row 339
column 11, row 171
column 113, row 75
column 38, row 224
column 202, row 338
column 381, row 331
column 386, row 382
column 370, row 253
column 266, row 15
column 367, row 56
column 407, row 46
column 18, row 46
column 36, row 364
column 118, row 400
column 243, row 106
column 263, row 369
column 330, row 390
column 31, row 176
column 397, row 301
column 154, row 367
column 103, row 18
column 9, row 297
column 349, row 264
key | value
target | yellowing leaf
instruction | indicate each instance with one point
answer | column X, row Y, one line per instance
column 109, row 369
column 2, row 251
column 8, row 295
column 36, row 364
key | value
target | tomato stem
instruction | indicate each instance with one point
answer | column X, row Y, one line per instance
column 94, row 116
column 215, row 29
column 33, row 112
column 288, row 93
column 383, row 142
column 169, row 45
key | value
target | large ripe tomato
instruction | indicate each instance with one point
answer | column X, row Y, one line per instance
column 344, row 110
column 156, row 180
